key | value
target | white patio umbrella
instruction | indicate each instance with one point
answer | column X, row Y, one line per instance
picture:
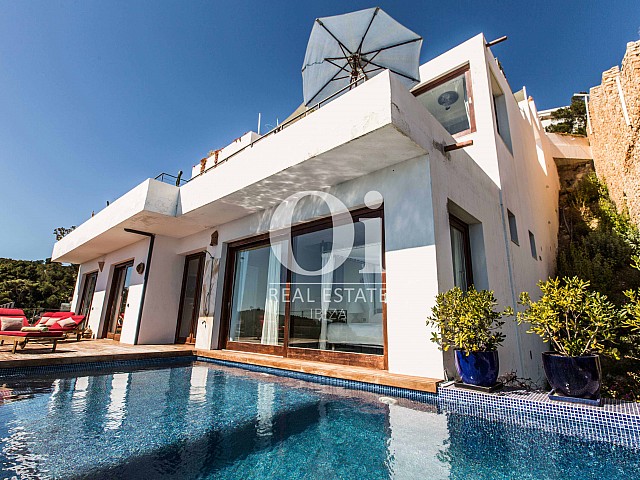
column 345, row 49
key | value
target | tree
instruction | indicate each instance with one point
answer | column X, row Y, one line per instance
column 36, row 284
column 571, row 119
column 61, row 232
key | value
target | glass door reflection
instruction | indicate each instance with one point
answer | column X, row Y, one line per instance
column 118, row 301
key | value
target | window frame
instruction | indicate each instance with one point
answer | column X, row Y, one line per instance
column 466, row 70
column 455, row 222
column 513, row 230
column 85, row 284
column 345, row 358
column 533, row 245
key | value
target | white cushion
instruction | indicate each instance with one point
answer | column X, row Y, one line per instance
column 11, row 324
column 43, row 320
column 66, row 322
column 50, row 322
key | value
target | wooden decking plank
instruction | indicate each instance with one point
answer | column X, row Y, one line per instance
column 361, row 374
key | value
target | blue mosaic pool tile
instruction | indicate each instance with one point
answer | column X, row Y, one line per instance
column 110, row 365
column 416, row 395
column 615, row 422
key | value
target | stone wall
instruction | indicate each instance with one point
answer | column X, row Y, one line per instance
column 615, row 133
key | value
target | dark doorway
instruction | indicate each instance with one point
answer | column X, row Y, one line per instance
column 87, row 293
column 189, row 310
column 118, row 301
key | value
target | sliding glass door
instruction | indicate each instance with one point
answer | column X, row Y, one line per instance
column 118, row 301
column 87, row 293
column 189, row 310
column 257, row 315
column 328, row 308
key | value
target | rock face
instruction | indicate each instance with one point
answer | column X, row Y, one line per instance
column 614, row 108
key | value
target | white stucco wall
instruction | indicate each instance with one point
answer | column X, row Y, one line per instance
column 162, row 298
column 137, row 253
column 524, row 182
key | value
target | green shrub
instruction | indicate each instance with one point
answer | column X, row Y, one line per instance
column 573, row 319
column 632, row 308
column 467, row 321
column 598, row 242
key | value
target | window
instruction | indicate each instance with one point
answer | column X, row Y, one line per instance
column 502, row 117
column 340, row 310
column 326, row 312
column 87, row 293
column 513, row 227
column 532, row 243
column 257, row 312
column 450, row 101
column 461, row 253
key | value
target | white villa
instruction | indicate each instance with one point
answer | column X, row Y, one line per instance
column 195, row 263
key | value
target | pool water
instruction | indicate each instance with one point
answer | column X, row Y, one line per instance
column 205, row 421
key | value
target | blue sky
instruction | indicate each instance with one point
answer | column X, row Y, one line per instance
column 96, row 96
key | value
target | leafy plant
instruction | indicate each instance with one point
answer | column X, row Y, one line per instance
column 573, row 319
column 467, row 321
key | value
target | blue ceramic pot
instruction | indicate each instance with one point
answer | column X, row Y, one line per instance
column 478, row 368
column 573, row 376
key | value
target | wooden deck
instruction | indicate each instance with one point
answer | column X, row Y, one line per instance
column 85, row 351
column 360, row 374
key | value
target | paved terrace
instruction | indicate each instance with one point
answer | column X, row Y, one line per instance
column 84, row 351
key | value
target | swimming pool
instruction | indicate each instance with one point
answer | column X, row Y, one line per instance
column 202, row 421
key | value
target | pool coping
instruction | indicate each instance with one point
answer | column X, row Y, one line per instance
column 615, row 422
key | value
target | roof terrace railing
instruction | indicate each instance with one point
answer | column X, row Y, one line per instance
column 171, row 179
column 284, row 125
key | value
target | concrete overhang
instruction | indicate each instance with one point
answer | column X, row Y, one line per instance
column 362, row 131
column 374, row 126
column 569, row 146
column 149, row 207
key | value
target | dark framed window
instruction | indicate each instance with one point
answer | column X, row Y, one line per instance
column 189, row 309
column 532, row 244
column 450, row 100
column 88, row 290
column 335, row 315
column 117, row 305
column 461, row 253
column 513, row 227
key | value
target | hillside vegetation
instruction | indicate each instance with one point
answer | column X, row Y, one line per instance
column 36, row 284
column 601, row 245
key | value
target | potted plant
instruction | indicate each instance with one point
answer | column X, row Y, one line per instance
column 580, row 325
column 469, row 323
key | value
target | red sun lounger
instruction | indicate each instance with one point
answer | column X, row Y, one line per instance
column 18, row 337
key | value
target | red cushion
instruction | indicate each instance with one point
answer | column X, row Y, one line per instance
column 31, row 334
column 11, row 312
column 60, row 314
